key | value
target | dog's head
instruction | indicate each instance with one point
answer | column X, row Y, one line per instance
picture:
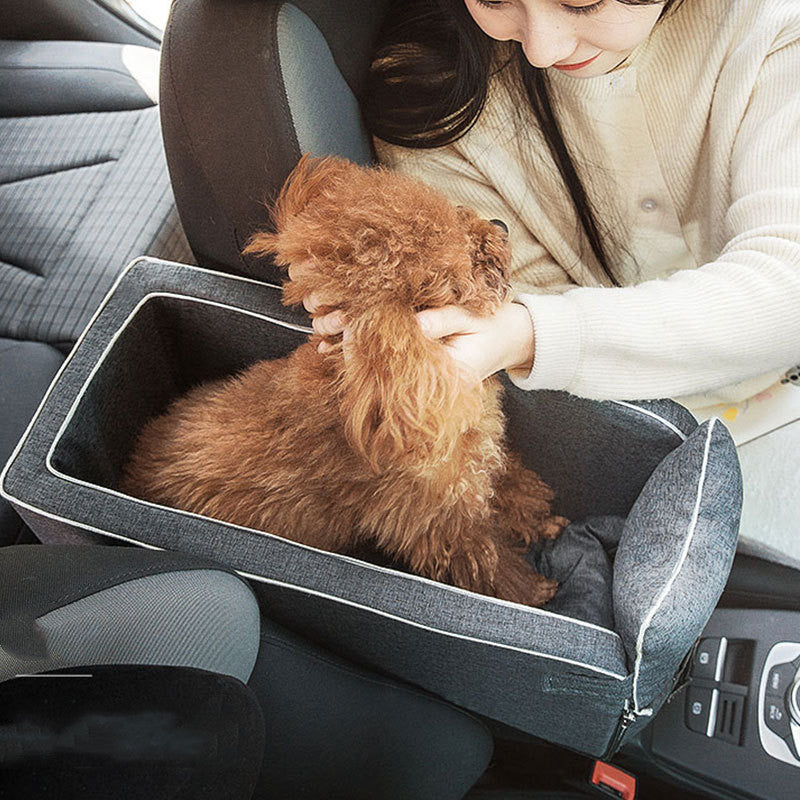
column 388, row 246
column 378, row 237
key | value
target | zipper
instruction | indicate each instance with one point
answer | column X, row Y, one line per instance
column 629, row 716
column 681, row 677
column 627, row 719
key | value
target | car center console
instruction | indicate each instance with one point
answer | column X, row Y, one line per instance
column 734, row 729
column 779, row 710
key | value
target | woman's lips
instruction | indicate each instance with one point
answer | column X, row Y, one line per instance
column 581, row 65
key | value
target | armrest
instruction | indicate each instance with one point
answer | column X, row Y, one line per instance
column 68, row 605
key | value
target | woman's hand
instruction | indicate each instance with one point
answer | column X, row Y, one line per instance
column 483, row 345
column 329, row 324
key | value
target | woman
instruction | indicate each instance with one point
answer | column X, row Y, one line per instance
column 644, row 156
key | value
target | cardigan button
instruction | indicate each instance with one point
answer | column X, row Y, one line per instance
column 648, row 205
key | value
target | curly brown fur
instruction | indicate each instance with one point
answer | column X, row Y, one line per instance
column 392, row 446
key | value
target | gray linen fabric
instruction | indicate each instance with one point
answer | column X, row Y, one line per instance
column 556, row 676
column 675, row 554
column 581, row 559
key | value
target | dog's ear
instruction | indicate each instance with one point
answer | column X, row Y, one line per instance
column 309, row 179
column 490, row 252
column 403, row 399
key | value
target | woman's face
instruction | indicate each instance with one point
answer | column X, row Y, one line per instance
column 583, row 38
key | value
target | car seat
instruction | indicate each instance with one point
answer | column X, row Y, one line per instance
column 116, row 681
column 83, row 189
column 246, row 89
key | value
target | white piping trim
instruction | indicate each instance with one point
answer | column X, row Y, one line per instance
column 113, row 340
column 104, row 490
column 85, row 332
column 674, row 428
column 195, row 268
column 386, row 614
column 85, row 526
column 366, row 564
column 71, row 479
column 675, row 572
column 262, row 579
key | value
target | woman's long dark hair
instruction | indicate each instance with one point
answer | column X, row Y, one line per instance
column 428, row 84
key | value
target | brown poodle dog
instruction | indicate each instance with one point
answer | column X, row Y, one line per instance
column 386, row 442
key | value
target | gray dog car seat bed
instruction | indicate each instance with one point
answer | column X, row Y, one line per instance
column 657, row 495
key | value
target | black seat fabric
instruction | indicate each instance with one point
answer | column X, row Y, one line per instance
column 272, row 80
column 83, row 190
column 138, row 732
column 341, row 732
column 156, row 646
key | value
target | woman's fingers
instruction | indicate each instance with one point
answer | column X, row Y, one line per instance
column 330, row 324
column 436, row 323
column 300, row 271
column 483, row 344
column 326, row 346
column 315, row 300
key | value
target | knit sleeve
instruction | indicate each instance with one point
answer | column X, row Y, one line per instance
column 700, row 330
column 447, row 171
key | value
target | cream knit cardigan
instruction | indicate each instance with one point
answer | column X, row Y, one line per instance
column 691, row 152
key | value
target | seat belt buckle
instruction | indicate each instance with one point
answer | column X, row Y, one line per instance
column 612, row 781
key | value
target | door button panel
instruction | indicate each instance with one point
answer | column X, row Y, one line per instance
column 779, row 679
column 776, row 718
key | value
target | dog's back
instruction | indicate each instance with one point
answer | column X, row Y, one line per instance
column 390, row 442
column 264, row 449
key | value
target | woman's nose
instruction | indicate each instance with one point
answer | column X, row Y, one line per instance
column 547, row 42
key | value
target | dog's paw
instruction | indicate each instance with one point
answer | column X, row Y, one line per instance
column 552, row 527
column 537, row 592
column 542, row 591
column 518, row 582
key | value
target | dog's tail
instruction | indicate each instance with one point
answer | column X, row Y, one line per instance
column 404, row 400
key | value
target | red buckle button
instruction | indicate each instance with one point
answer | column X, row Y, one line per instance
column 613, row 782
